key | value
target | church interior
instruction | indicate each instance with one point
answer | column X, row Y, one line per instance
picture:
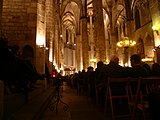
column 67, row 37
column 70, row 35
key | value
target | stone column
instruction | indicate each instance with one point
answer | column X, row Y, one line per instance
column 99, row 30
column 78, row 52
column 154, row 6
column 41, row 37
column 91, row 39
column 113, row 44
column 56, row 56
column 85, row 46
column 130, row 35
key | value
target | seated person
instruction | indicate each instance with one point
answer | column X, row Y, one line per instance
column 156, row 69
column 113, row 69
column 137, row 70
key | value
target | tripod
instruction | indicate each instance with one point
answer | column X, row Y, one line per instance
column 54, row 105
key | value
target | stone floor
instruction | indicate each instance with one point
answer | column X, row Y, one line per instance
column 80, row 108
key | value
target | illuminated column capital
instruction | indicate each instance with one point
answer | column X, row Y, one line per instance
column 90, row 12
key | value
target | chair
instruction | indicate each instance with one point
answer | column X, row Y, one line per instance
column 132, row 90
column 80, row 86
column 145, row 87
column 116, row 88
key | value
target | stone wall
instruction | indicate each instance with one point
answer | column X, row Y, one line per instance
column 19, row 21
column 50, row 17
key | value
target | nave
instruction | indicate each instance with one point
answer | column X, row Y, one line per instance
column 80, row 108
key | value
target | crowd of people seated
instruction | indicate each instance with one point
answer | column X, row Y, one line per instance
column 17, row 73
column 98, row 76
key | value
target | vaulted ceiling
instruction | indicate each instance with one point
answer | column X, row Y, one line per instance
column 71, row 11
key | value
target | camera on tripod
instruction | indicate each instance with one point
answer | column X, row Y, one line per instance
column 54, row 105
column 59, row 81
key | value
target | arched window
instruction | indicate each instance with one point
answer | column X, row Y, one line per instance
column 137, row 19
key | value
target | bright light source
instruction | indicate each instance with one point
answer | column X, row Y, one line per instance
column 126, row 43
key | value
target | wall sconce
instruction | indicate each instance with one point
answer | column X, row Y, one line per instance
column 43, row 47
column 155, row 29
column 155, row 48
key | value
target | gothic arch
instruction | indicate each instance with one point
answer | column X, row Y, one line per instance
column 148, row 40
column 140, row 48
column 65, row 2
column 148, row 43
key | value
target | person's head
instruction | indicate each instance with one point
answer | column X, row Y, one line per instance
column 15, row 49
column 90, row 68
column 99, row 64
column 135, row 60
column 3, row 43
column 114, row 59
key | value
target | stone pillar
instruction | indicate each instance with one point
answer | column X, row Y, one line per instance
column 154, row 6
column 113, row 44
column 85, row 46
column 78, row 52
column 92, row 59
column 56, row 47
column 41, row 37
column 99, row 30
column 1, row 98
column 50, row 30
column 130, row 35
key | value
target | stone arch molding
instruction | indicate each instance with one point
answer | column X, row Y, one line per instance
column 148, row 45
column 70, row 14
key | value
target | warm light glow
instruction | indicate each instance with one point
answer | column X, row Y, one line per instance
column 40, row 40
column 107, row 61
column 61, row 68
column 90, row 12
column 157, row 40
column 54, row 63
column 93, row 60
column 106, row 16
column 126, row 64
column 51, row 52
column 50, row 56
column 147, row 59
column 156, row 27
column 126, row 43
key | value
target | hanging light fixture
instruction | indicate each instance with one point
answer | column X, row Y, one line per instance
column 126, row 42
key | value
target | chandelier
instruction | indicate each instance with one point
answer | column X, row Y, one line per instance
column 126, row 42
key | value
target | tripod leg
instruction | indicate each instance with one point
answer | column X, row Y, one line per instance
column 51, row 106
column 66, row 107
column 57, row 106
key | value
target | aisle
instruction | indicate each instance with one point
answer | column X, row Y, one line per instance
column 79, row 108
